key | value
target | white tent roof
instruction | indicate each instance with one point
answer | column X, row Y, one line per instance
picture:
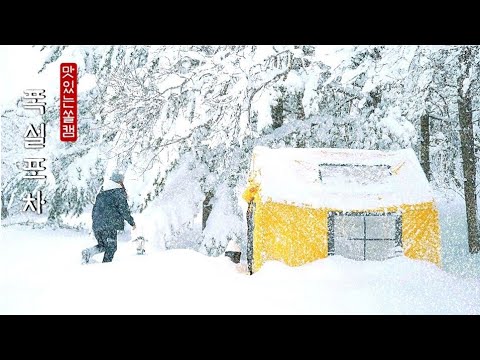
column 344, row 179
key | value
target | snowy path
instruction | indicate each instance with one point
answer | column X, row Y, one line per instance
column 41, row 274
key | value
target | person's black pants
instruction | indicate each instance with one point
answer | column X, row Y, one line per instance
column 107, row 242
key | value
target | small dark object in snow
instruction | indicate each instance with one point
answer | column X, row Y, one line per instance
column 234, row 256
column 140, row 245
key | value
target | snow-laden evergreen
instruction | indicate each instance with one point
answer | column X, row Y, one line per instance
column 182, row 121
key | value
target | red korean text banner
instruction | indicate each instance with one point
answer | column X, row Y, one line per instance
column 68, row 102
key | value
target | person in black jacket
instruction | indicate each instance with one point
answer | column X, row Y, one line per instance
column 108, row 215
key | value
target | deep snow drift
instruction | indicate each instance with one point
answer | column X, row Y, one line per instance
column 41, row 274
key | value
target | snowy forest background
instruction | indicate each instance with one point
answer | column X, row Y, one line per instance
column 182, row 121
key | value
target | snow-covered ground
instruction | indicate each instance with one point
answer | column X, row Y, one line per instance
column 453, row 224
column 41, row 274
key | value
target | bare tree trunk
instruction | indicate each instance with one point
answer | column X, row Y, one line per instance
column 425, row 145
column 464, row 102
column 4, row 207
column 207, row 208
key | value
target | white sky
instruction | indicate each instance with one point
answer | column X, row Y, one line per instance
column 19, row 65
column 331, row 55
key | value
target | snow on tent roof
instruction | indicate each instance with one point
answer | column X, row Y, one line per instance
column 345, row 179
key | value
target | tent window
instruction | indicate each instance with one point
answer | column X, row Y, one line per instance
column 364, row 236
column 331, row 174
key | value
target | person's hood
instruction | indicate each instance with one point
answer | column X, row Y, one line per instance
column 109, row 185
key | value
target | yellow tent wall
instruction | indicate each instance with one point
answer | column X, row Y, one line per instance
column 291, row 234
column 297, row 235
column 421, row 232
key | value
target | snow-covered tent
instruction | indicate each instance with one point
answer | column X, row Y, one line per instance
column 306, row 204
